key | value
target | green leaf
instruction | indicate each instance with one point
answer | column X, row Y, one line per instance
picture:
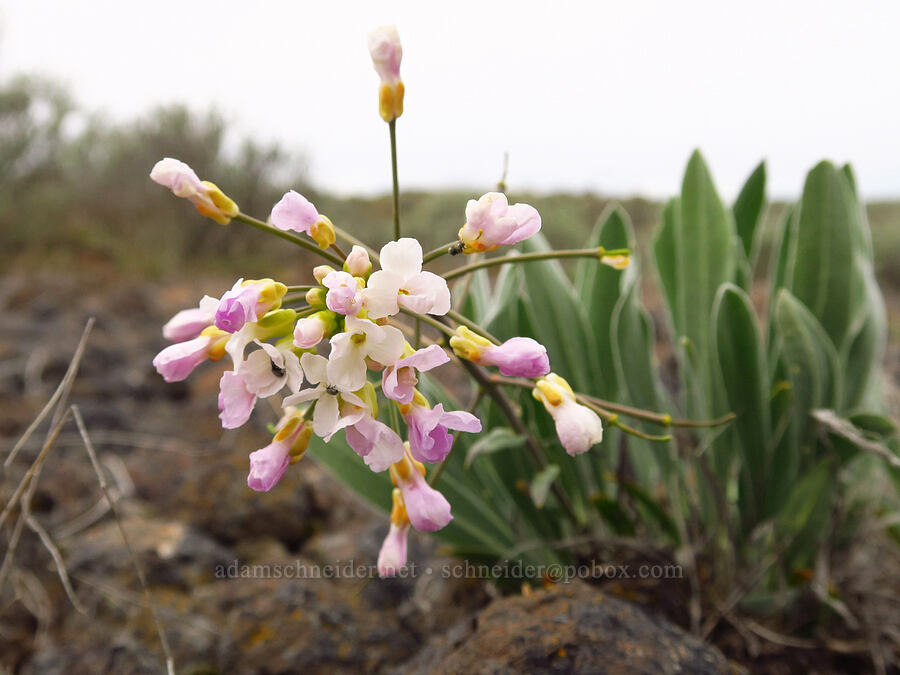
column 350, row 469
column 705, row 254
column 810, row 359
column 824, row 241
column 633, row 340
column 540, row 486
column 863, row 372
column 665, row 253
column 499, row 438
column 803, row 500
column 744, row 376
column 748, row 208
column 599, row 286
column 618, row 521
column 653, row 509
column 559, row 320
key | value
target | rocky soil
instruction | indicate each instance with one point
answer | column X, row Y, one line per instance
column 211, row 547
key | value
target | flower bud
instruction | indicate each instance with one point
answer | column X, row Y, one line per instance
column 577, row 426
column 518, row 357
column 392, row 555
column 315, row 297
column 311, row 330
column 322, row 232
column 390, row 101
column 468, row 345
column 358, row 263
column 321, row 271
column 183, row 182
column 386, row 52
column 617, row 262
column 247, row 301
column 427, row 508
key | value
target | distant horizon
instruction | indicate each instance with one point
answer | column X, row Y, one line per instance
column 610, row 99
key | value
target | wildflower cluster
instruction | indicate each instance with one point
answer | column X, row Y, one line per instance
column 272, row 335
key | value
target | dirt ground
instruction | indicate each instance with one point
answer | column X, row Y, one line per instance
column 181, row 482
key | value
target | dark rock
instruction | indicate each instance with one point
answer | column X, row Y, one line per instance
column 570, row 628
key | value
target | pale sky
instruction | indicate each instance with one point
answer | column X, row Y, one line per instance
column 602, row 96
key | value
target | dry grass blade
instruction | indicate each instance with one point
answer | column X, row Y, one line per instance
column 26, row 479
column 63, row 387
column 829, row 420
column 57, row 560
column 164, row 642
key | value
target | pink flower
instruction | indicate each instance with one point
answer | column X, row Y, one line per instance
column 183, row 182
column 399, row 380
column 357, row 262
column 177, row 361
column 401, row 283
column 344, row 295
column 189, row 323
column 246, row 302
column 392, row 555
column 429, row 438
column 268, row 465
column 375, row 442
column 235, row 401
column 577, row 426
column 426, row 508
column 294, row 212
column 491, row 222
column 311, row 330
column 386, row 52
column 518, row 357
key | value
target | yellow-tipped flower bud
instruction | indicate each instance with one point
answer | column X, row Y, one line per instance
column 399, row 516
column 271, row 292
column 322, row 231
column 617, row 262
column 224, row 207
column 216, row 349
column 469, row 345
column 206, row 196
column 390, row 101
column 321, row 271
column 316, row 297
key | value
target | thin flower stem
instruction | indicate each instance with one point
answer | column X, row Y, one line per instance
column 337, row 249
column 308, row 245
column 662, row 419
column 438, row 252
column 392, row 125
column 532, row 257
column 612, row 420
column 395, row 420
column 459, row 318
column 442, row 327
column 300, row 289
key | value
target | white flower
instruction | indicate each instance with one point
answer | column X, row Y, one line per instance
column 327, row 418
column 362, row 339
column 267, row 370
column 401, row 283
